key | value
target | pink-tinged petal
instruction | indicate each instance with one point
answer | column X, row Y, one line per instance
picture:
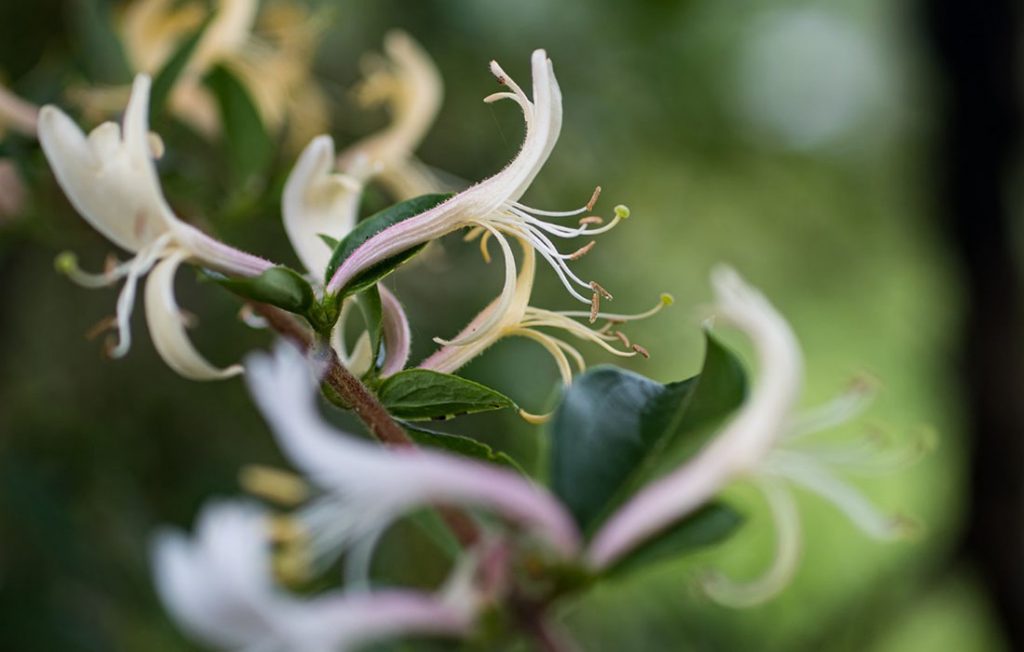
column 167, row 326
column 365, row 473
column 479, row 202
column 397, row 336
column 215, row 254
column 740, row 446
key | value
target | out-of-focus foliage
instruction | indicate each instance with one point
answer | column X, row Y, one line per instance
column 784, row 137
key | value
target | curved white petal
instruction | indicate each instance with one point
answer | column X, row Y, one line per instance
column 109, row 176
column 317, row 201
column 167, row 326
column 396, row 332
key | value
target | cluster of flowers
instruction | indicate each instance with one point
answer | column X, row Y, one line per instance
column 225, row 584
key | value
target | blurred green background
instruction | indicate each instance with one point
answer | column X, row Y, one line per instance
column 787, row 138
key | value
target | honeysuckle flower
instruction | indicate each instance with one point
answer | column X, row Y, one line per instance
column 317, row 201
column 761, row 444
column 273, row 65
column 408, row 83
column 220, row 587
column 362, row 496
column 110, row 177
column 493, row 204
column 520, row 319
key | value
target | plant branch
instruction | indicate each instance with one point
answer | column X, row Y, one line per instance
column 366, row 406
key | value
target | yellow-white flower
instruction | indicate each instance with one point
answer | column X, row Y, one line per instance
column 408, row 83
column 520, row 319
column 274, row 64
column 110, row 178
column 762, row 444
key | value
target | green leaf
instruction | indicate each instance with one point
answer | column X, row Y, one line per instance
column 373, row 317
column 248, row 145
column 615, row 430
column 96, row 42
column 418, row 394
column 370, row 227
column 709, row 525
column 278, row 286
column 464, row 446
column 163, row 82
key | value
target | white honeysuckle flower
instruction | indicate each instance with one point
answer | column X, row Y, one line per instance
column 220, row 587
column 761, row 443
column 493, row 204
column 520, row 319
column 362, row 497
column 409, row 84
column 110, row 178
column 317, row 201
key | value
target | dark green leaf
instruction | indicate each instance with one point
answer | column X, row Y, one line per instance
column 163, row 82
column 614, row 429
column 370, row 227
column 709, row 525
column 97, row 42
column 249, row 146
column 278, row 286
column 373, row 317
column 418, row 394
column 465, row 446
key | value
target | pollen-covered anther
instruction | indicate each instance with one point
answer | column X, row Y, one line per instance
column 641, row 350
column 596, row 287
column 582, row 251
column 275, row 485
column 591, row 219
column 595, row 307
column 593, row 198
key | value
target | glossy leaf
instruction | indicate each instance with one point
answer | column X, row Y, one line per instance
column 615, row 429
column 418, row 394
column 249, row 147
column 459, row 445
column 278, row 286
column 163, row 82
column 707, row 526
column 370, row 227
